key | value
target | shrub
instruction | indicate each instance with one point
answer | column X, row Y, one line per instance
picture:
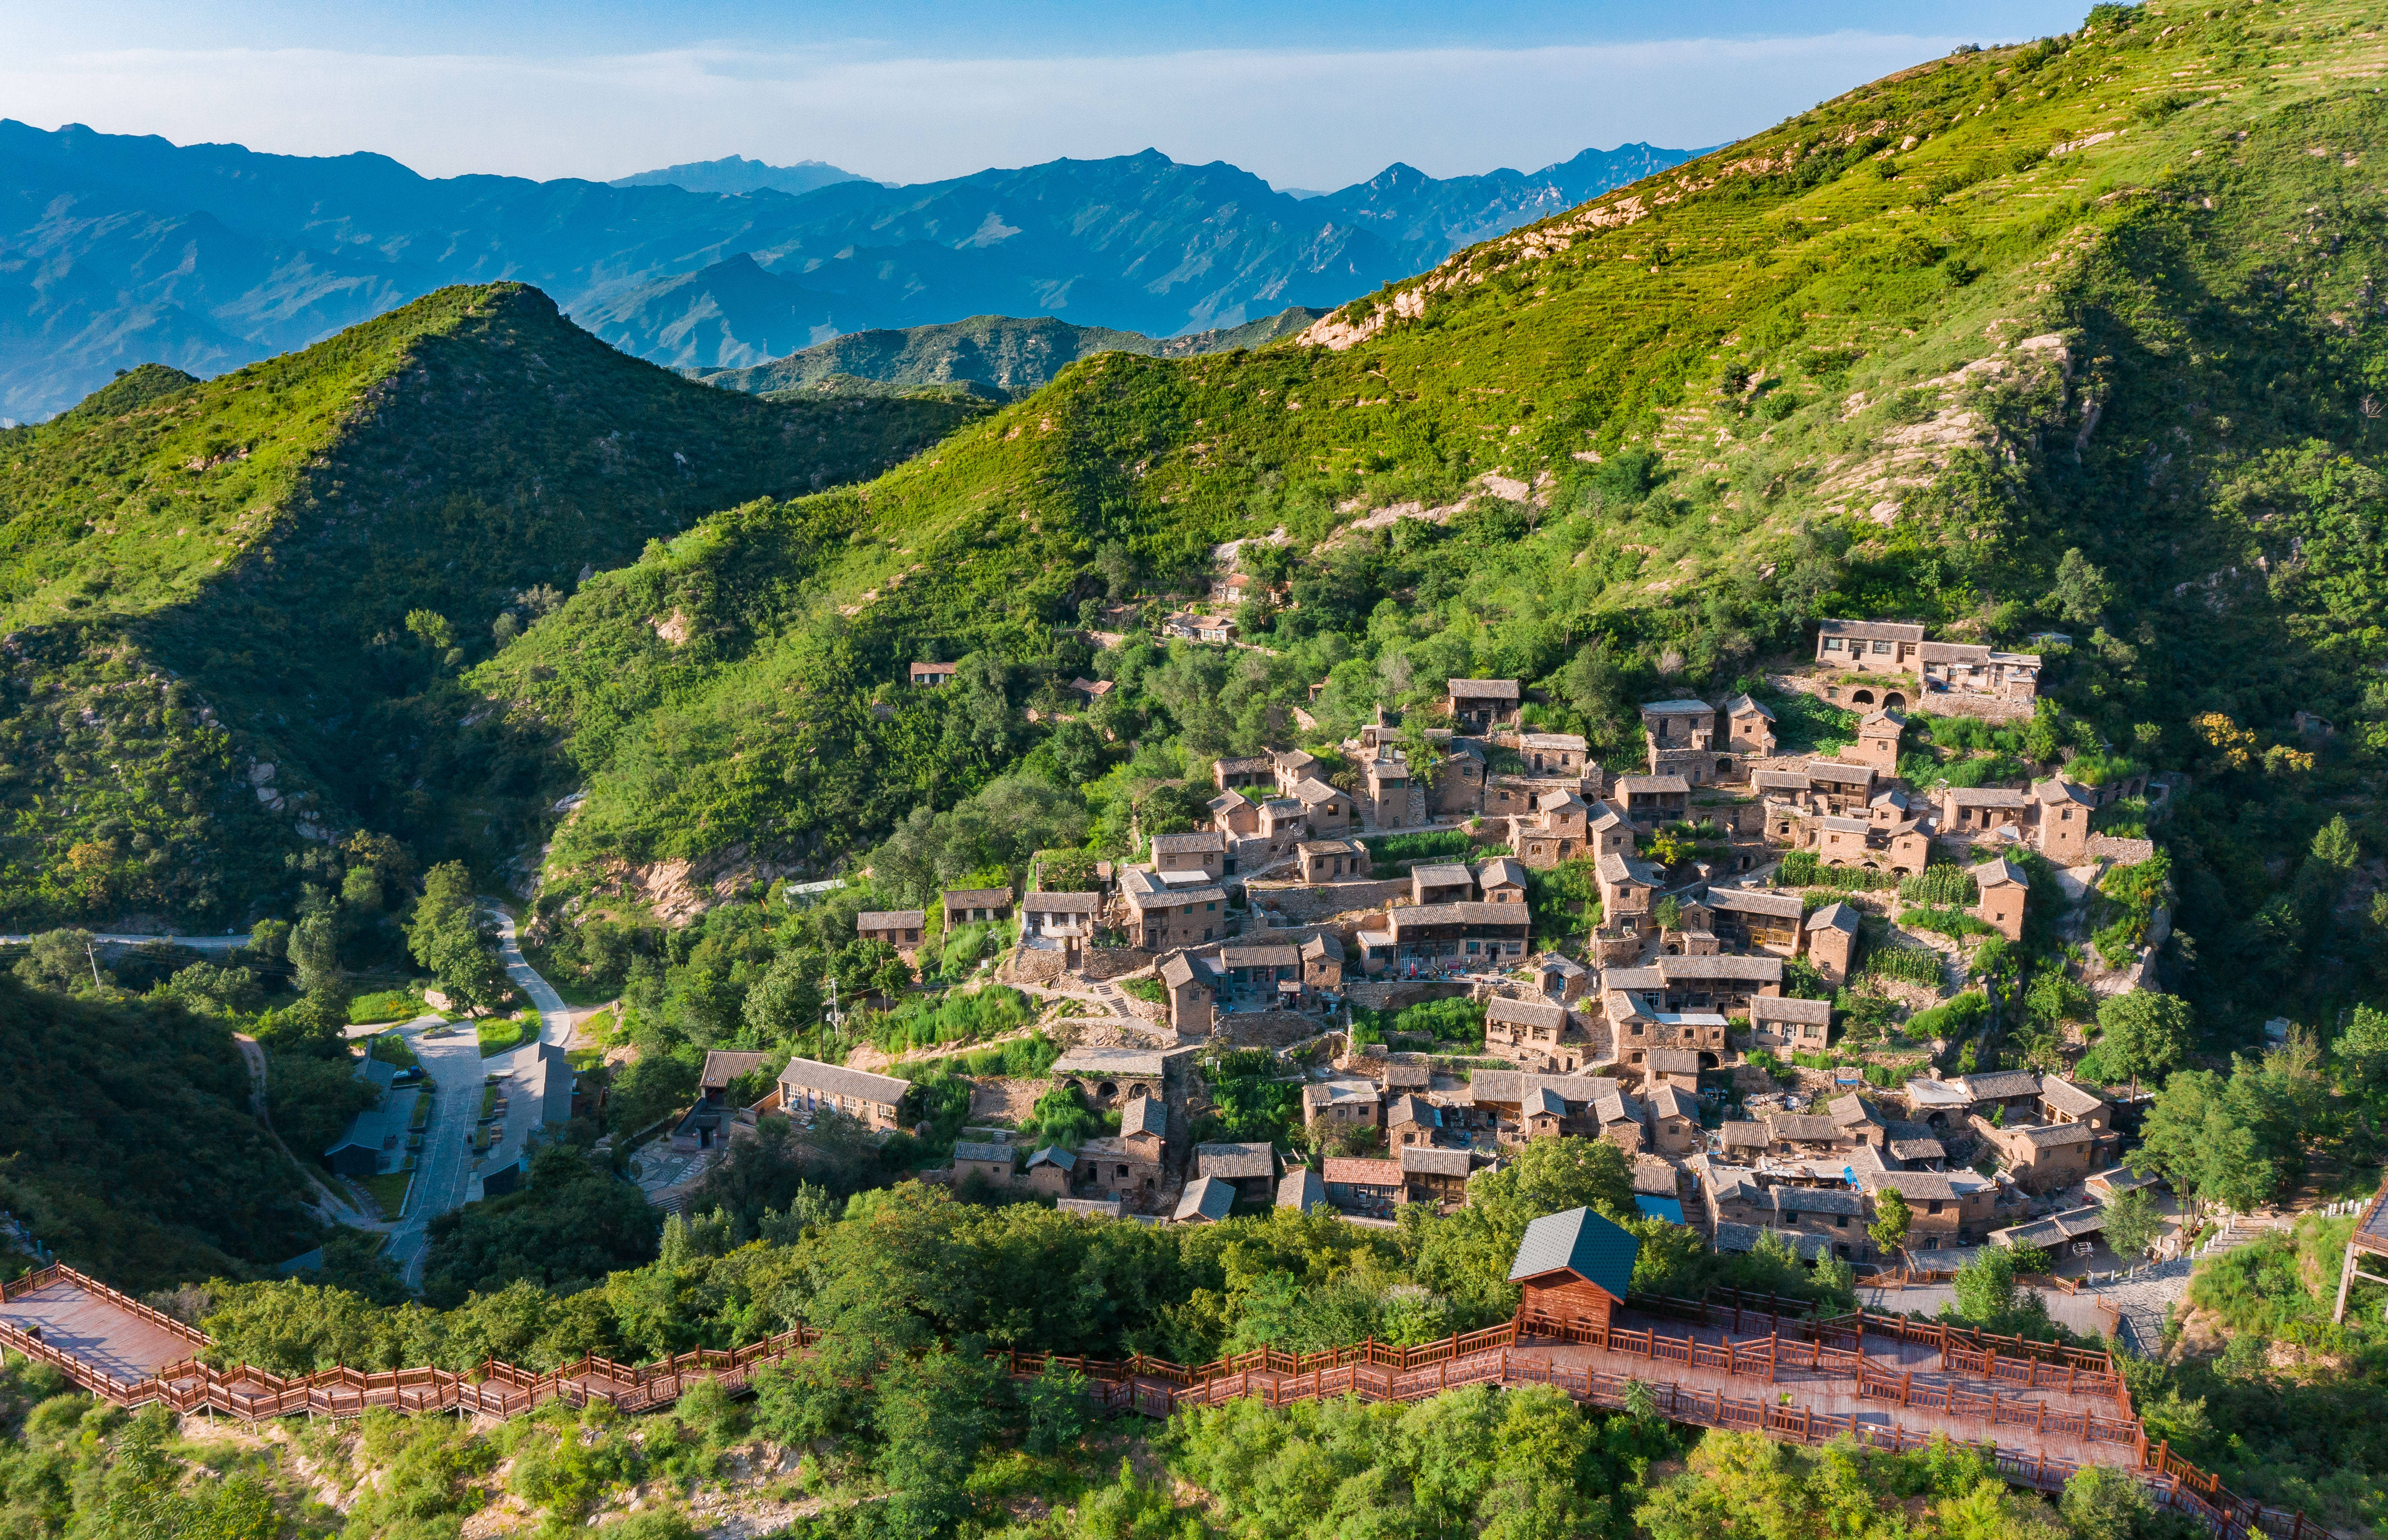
column 1941, row 884
column 1801, row 869
column 1907, row 965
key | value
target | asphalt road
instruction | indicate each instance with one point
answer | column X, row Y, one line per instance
column 197, row 943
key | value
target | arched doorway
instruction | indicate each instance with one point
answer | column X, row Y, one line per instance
column 1862, row 698
column 1893, row 700
column 1724, row 767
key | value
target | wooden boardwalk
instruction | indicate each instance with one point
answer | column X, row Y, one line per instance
column 2041, row 1411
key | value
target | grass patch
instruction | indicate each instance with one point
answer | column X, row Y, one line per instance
column 385, row 1005
column 503, row 1034
column 391, row 1049
column 388, row 1189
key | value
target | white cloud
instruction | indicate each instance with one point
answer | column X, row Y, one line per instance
column 1299, row 117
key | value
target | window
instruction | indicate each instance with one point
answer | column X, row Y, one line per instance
column 1832, row 644
column 1882, row 646
column 1932, row 1207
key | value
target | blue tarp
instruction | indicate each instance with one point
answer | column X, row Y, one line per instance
column 1668, row 1209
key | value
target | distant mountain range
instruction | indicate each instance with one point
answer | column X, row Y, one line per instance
column 736, row 174
column 1007, row 356
column 116, row 250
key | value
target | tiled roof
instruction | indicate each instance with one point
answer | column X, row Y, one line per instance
column 1651, row 1174
column 1459, row 915
column 889, row 919
column 1839, row 774
column 1206, row 1198
column 1442, row 874
column 1835, row 916
column 2047, row 1135
column 1090, row 1208
column 1501, row 872
column 1803, row 1127
column 1743, row 705
column 1526, row 1013
column 1754, row 901
column 1509, row 1085
column 1872, row 630
column 1212, row 843
column 1986, row 797
column 1301, row 1190
column 1614, row 868
column 1997, row 1085
column 1788, row 1008
column 1818, row 1199
column 1670, row 1102
column 1235, row 1161
column 1629, row 784
column 1421, row 1160
column 1061, row 903
column 2066, row 1096
column 1272, row 955
column 973, row 1150
column 722, row 1065
column 1999, row 872
column 1953, row 652
column 1177, row 970
column 1744, row 1135
column 1676, row 707
column 1413, row 1109
column 1673, row 1061
column 1362, row 1171
column 977, row 898
column 1913, row 1186
column 1581, row 1242
column 1484, row 689
column 1562, row 741
column 1543, row 1102
column 837, row 1080
column 1143, row 1115
column 1757, row 968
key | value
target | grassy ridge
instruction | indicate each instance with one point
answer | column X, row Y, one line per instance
column 287, row 566
column 1898, row 353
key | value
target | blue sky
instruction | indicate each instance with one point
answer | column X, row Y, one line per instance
column 1315, row 94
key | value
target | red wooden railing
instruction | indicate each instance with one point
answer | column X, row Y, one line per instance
column 1370, row 1370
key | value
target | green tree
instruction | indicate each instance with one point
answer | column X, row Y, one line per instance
column 2143, row 1034
column 2132, row 1223
column 314, row 952
column 786, row 1001
column 2081, row 593
column 1892, row 1218
column 1466, row 1254
column 62, row 961
column 2362, row 1051
column 449, row 933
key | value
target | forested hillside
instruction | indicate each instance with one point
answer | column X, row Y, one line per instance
column 1900, row 354
column 234, row 611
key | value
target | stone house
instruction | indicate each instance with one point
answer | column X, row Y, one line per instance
column 1869, row 646
column 1327, row 811
column 991, row 1163
column 1648, row 801
column 934, row 673
column 1207, row 1200
column 1530, row 1030
column 1608, row 832
column 1192, row 989
column 1439, row 882
column 1626, row 887
column 1385, row 790
column 1721, row 984
column 1480, row 704
column 1498, row 1100
column 1373, row 1188
column 1637, row 1027
column 1749, row 728
column 1412, row 1119
column 1235, row 815
column 1753, row 919
column 1877, row 744
column 1805, row 1136
column 1681, row 738
column 1832, row 941
column 1331, row 860
column 1676, row 1066
column 808, row 1087
column 1250, row 1169
column 1976, row 810
column 1107, row 1076
column 970, row 906
column 1203, row 854
column 1459, row 783
column 1343, row 1104
column 1553, row 754
column 2041, row 1157
column 1438, row 1177
column 1946, row 1212
column 710, row 1117
column 1674, row 1120
column 1553, row 832
column 1616, row 1113
column 900, row 928
column 1782, row 1023
column 1303, row 1190
column 1501, row 880
column 2003, row 887
column 2060, row 820
column 1062, row 922
column 1970, row 668
column 1425, row 937
column 1838, row 787
column 1322, row 964
column 1511, row 797
column 1234, row 774
column 1833, row 1214
column 1161, row 917
column 1858, row 1120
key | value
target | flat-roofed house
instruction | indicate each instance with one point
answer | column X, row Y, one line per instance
column 1553, row 754
column 900, row 928
column 2003, row 887
column 1477, row 705
column 1573, row 1269
column 808, row 1088
column 1869, row 646
column 1331, row 860
column 971, row 906
column 1433, row 1175
column 1105, row 1075
column 1372, row 1187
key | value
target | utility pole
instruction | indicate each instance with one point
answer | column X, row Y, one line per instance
column 93, row 958
column 836, row 1016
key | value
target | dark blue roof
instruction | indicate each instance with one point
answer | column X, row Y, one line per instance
column 1581, row 1242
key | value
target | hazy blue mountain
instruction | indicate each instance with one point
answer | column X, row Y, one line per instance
column 120, row 249
column 1010, row 354
column 735, row 173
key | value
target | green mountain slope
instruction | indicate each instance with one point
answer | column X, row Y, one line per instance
column 127, row 1147
column 234, row 610
column 1898, row 354
column 1013, row 355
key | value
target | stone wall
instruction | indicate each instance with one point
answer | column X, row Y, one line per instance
column 1104, row 962
column 1303, row 904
